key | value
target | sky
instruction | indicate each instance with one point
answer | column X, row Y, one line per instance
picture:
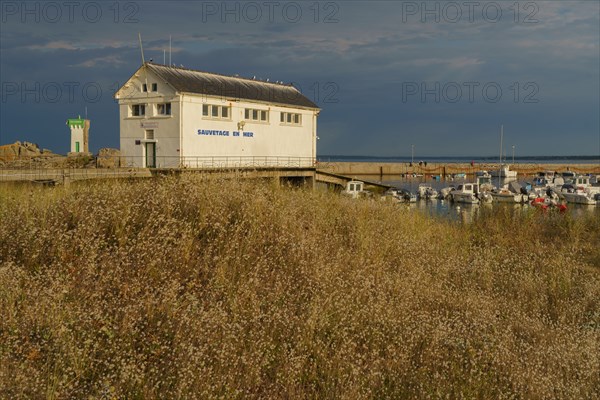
column 442, row 76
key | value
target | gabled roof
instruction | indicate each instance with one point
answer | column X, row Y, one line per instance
column 210, row 84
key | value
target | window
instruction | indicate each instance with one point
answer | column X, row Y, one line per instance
column 138, row 110
column 150, row 134
column 164, row 109
column 155, row 87
column 144, row 88
column 213, row 111
column 291, row 118
column 256, row 115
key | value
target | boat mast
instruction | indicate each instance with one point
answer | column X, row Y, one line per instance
column 500, row 168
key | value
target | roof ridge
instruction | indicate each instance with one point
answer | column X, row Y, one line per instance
column 290, row 85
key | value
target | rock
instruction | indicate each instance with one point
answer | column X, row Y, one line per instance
column 27, row 154
column 108, row 158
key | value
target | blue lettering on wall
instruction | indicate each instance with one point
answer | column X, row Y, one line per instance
column 210, row 132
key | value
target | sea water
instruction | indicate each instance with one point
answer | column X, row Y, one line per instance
column 464, row 212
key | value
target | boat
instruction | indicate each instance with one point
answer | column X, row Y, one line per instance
column 465, row 193
column 546, row 174
column 355, row 189
column 583, row 182
column 484, row 180
column 485, row 186
column 546, row 182
column 394, row 193
column 503, row 172
column 581, row 191
column 446, row 192
column 581, row 197
column 426, row 192
column 569, row 175
column 407, row 196
column 505, row 195
column 548, row 203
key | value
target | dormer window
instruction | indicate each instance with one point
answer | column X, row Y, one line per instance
column 144, row 88
column 155, row 87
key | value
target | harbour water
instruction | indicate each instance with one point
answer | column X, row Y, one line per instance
column 465, row 212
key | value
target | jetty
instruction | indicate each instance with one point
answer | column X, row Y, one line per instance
column 297, row 176
column 444, row 169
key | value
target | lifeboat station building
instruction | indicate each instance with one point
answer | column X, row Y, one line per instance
column 174, row 117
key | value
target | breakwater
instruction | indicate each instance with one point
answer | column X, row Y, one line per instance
column 383, row 168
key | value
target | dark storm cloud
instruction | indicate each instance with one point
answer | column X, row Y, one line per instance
column 358, row 66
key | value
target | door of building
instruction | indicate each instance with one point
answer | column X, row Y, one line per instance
column 150, row 155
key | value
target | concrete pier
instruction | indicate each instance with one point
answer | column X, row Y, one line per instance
column 383, row 168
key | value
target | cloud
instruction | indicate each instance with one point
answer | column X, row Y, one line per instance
column 368, row 54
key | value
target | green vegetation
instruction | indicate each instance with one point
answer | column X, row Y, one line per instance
column 182, row 288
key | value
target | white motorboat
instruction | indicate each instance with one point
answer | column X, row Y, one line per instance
column 407, row 196
column 355, row 189
column 466, row 193
column 426, row 192
column 581, row 191
column 581, row 197
column 484, row 180
column 504, row 195
column 584, row 182
column 503, row 172
column 446, row 193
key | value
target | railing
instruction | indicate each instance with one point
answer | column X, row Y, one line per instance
column 218, row 162
column 126, row 166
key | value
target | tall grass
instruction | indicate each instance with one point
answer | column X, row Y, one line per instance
column 181, row 288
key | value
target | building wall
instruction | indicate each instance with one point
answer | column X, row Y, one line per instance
column 258, row 144
column 179, row 143
column 133, row 129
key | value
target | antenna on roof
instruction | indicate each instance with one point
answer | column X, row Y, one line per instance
column 141, row 48
column 164, row 56
column 143, row 64
column 170, row 51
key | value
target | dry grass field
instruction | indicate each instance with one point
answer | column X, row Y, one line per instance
column 179, row 288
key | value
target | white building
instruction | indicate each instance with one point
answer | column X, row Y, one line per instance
column 172, row 117
column 80, row 130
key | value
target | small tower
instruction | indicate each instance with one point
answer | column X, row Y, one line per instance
column 80, row 129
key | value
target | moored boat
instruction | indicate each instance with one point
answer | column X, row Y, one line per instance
column 581, row 197
column 426, row 192
column 355, row 189
column 503, row 172
column 466, row 193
